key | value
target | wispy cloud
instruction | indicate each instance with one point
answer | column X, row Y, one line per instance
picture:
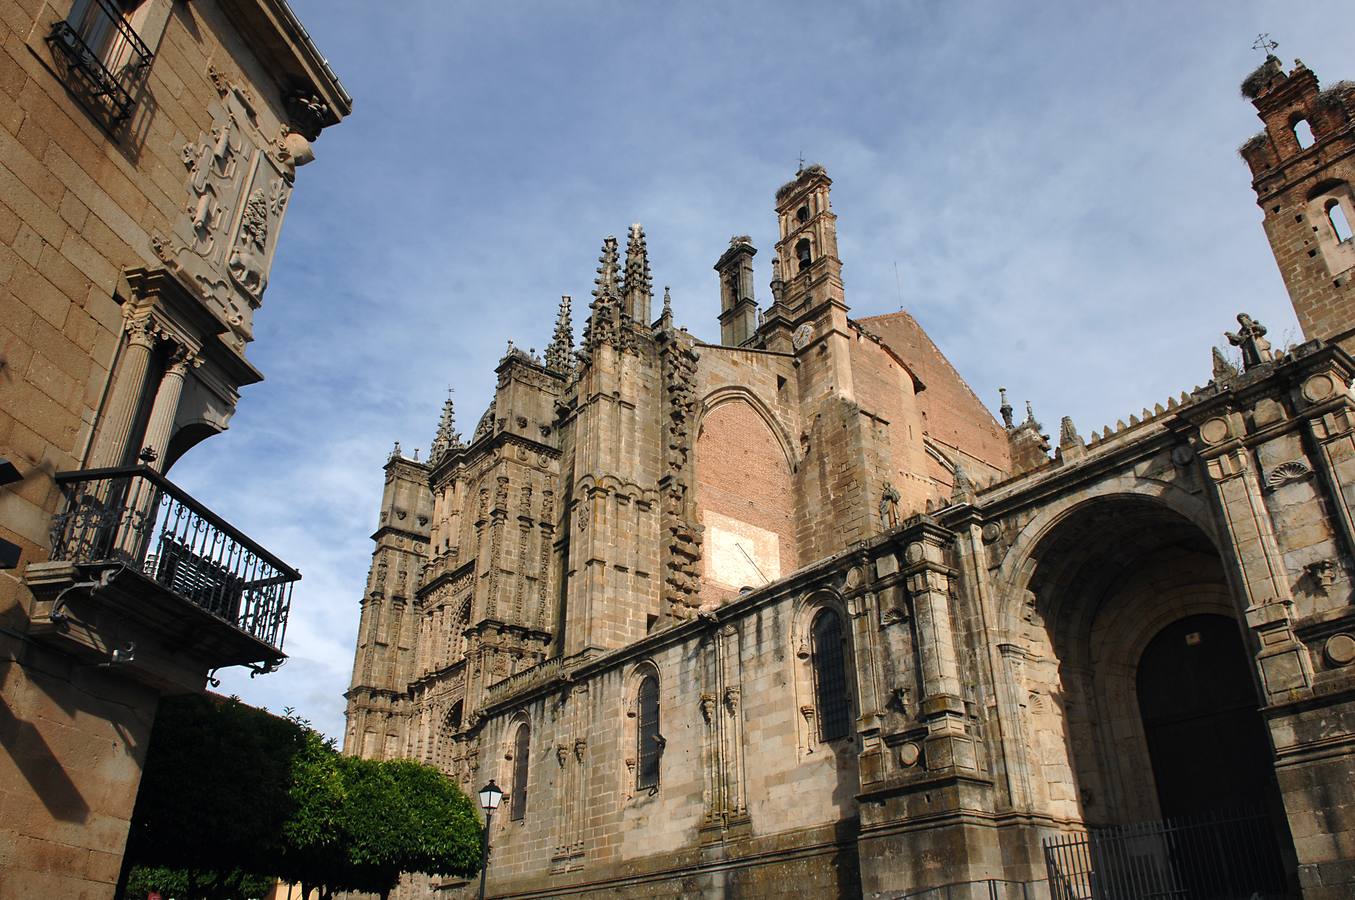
column 1056, row 183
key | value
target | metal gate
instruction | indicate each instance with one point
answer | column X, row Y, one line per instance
column 1217, row 857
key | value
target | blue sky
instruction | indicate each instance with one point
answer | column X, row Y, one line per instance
column 1056, row 185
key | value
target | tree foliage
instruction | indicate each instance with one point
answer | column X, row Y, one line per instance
column 196, row 884
column 230, row 791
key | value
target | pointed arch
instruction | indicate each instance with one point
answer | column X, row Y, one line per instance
column 730, row 393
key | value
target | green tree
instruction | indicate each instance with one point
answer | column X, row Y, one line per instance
column 196, row 884
column 229, row 789
column 402, row 816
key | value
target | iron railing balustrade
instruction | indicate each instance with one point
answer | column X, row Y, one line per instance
column 135, row 516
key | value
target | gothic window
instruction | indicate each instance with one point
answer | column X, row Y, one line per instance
column 802, row 252
column 1336, row 216
column 649, row 743
column 1303, row 132
column 830, row 676
column 517, row 809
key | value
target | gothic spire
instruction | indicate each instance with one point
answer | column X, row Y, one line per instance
column 447, row 437
column 605, row 284
column 637, row 287
column 560, row 353
column 603, row 322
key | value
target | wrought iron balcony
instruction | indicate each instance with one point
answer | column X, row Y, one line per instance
column 134, row 517
column 104, row 57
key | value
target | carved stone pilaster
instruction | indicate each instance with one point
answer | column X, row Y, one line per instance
column 1235, row 487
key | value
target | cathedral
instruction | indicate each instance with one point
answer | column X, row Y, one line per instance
column 794, row 615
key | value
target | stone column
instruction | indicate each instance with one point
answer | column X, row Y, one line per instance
column 158, row 430
column 115, row 426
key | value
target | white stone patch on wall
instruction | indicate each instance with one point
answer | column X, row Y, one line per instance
column 739, row 555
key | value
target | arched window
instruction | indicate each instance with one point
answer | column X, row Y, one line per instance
column 802, row 214
column 1303, row 132
column 454, row 717
column 802, row 252
column 649, row 743
column 521, row 748
column 830, row 676
column 1339, row 223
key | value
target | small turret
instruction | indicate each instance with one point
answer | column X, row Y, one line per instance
column 738, row 308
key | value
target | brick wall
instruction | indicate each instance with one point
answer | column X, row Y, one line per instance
column 743, row 474
column 952, row 415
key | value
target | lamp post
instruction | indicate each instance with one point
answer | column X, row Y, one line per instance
column 490, row 795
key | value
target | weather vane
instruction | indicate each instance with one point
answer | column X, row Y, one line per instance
column 1263, row 42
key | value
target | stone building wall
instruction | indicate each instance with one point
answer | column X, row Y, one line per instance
column 133, row 253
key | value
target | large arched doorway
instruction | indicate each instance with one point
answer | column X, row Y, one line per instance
column 1152, row 722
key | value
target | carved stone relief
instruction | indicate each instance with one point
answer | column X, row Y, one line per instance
column 236, row 193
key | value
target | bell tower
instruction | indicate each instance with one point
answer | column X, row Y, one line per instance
column 810, row 291
column 1303, row 169
column 807, row 251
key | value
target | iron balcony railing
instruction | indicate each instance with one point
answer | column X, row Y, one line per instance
column 1211, row 857
column 137, row 517
column 103, row 55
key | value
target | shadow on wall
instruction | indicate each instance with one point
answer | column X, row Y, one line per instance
column 34, row 759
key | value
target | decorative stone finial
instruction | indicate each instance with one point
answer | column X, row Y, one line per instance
column 560, row 353
column 637, row 287
column 778, row 284
column 1250, row 337
column 603, row 325
column 395, row 451
column 1068, row 435
column 447, row 437
column 963, row 490
column 1030, row 417
column 1224, row 371
column 1006, row 409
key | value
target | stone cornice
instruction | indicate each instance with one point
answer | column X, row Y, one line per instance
column 275, row 33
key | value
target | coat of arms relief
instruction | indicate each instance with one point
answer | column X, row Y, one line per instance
column 223, row 243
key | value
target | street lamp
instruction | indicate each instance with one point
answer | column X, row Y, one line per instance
column 490, row 795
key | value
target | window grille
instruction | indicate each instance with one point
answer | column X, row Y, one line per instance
column 104, row 58
column 521, row 747
column 649, row 742
column 830, row 677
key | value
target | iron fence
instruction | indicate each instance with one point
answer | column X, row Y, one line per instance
column 137, row 517
column 104, row 57
column 1213, row 857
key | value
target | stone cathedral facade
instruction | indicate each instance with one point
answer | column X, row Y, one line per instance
column 793, row 615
